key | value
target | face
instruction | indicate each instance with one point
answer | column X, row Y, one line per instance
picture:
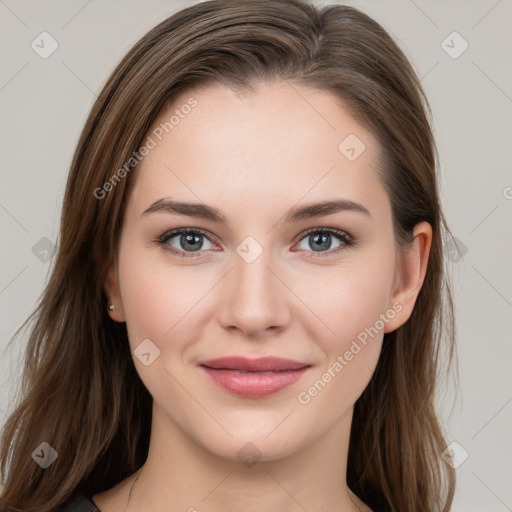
column 318, row 288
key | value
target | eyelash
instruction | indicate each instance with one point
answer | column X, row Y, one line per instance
column 346, row 239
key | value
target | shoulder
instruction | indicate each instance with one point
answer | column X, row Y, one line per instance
column 79, row 502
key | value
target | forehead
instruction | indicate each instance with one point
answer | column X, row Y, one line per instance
column 276, row 145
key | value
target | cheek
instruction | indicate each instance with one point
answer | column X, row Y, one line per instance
column 352, row 352
column 351, row 346
column 158, row 303
column 161, row 305
column 349, row 299
column 353, row 303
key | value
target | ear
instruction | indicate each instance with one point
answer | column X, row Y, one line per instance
column 409, row 275
column 113, row 293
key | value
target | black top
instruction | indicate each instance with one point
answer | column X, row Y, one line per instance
column 80, row 502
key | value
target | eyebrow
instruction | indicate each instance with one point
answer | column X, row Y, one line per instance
column 296, row 214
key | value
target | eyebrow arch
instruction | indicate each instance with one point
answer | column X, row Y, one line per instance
column 296, row 214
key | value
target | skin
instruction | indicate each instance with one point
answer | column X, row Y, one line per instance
column 254, row 156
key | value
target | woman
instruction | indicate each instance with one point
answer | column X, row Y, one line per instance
column 246, row 309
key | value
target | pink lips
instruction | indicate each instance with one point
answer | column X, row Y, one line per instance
column 254, row 378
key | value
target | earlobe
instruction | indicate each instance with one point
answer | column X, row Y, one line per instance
column 410, row 275
column 113, row 293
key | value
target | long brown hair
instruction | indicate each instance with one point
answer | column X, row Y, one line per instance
column 80, row 391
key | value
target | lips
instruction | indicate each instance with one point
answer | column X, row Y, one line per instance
column 254, row 378
column 262, row 364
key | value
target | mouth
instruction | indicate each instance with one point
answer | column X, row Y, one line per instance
column 254, row 378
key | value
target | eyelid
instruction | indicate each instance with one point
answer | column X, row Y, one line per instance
column 334, row 231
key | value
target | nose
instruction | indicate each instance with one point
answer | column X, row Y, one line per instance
column 256, row 301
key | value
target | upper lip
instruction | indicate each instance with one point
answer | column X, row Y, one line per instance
column 262, row 364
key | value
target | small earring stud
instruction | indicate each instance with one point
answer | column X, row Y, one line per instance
column 112, row 307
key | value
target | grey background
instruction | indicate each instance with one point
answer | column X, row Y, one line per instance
column 44, row 103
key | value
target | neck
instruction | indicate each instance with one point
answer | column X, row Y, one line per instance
column 182, row 472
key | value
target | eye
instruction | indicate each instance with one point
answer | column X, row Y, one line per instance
column 190, row 242
column 184, row 242
column 321, row 240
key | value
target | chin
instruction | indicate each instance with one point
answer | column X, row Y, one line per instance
column 254, row 443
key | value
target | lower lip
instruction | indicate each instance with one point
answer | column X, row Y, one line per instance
column 254, row 384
